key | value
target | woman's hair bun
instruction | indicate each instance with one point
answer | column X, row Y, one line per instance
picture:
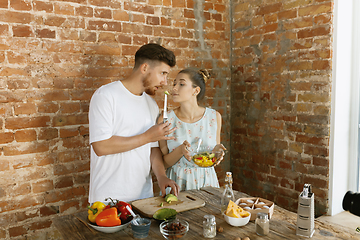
column 205, row 74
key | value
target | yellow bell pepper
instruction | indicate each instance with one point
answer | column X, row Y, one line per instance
column 94, row 210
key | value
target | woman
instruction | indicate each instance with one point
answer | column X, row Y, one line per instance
column 192, row 122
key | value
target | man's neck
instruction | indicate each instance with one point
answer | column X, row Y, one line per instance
column 134, row 84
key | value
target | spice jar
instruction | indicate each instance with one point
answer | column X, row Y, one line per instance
column 262, row 224
column 209, row 226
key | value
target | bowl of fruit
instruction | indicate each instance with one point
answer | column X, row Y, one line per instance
column 206, row 157
column 109, row 218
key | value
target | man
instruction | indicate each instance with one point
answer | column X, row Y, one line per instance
column 123, row 131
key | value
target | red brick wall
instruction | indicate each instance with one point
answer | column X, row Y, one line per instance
column 281, row 85
column 53, row 56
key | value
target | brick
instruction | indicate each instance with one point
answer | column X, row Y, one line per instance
column 68, row 34
column 4, row 4
column 102, row 13
column 72, row 132
column 59, row 121
column 64, row 9
column 105, row 3
column 262, row 10
column 22, row 31
column 18, row 84
column 43, row 6
column 295, row 66
column 40, row 225
column 21, row 5
column 314, row 97
column 48, row 133
column 26, row 122
column 63, row 195
column 24, row 108
column 48, row 107
column 87, row 36
column 315, row 9
column 25, row 135
column 134, row 7
column 84, row 11
column 104, row 26
column 121, row 15
column 153, row 20
column 17, row 231
column 64, row 182
column 19, row 189
column 70, row 206
column 25, row 148
column 45, row 33
column 269, row 18
column 6, row 137
column 319, row 31
column 287, row 14
column 269, row 28
column 140, row 40
column 49, row 210
column 54, row 21
column 25, row 215
column 298, row 23
column 4, row 29
column 322, row 65
column 42, row 186
column 189, row 13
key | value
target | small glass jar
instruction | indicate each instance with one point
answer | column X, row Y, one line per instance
column 262, row 224
column 209, row 226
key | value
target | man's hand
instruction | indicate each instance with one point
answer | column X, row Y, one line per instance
column 159, row 132
column 165, row 182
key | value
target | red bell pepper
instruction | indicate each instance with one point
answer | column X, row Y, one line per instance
column 108, row 218
column 121, row 206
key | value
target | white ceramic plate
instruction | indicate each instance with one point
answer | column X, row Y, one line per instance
column 109, row 229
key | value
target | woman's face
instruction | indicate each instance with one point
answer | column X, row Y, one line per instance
column 183, row 89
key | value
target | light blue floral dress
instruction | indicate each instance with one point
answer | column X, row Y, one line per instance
column 186, row 174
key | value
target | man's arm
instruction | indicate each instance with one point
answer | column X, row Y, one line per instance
column 118, row 144
column 157, row 165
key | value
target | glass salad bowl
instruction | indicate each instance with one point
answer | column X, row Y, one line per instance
column 205, row 157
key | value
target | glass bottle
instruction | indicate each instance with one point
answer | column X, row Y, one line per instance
column 228, row 193
column 262, row 224
column 209, row 226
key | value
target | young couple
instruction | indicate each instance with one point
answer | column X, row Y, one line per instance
column 127, row 142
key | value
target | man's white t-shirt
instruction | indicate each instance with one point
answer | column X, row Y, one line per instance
column 116, row 111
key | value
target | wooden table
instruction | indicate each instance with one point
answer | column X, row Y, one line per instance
column 282, row 224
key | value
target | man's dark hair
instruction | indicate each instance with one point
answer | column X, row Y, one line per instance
column 154, row 52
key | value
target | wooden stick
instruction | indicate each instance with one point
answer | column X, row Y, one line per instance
column 92, row 230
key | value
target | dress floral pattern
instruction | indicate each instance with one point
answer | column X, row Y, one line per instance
column 186, row 174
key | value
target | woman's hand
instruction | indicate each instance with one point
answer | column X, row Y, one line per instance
column 219, row 147
column 185, row 150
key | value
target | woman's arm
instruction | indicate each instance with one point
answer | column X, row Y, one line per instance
column 172, row 158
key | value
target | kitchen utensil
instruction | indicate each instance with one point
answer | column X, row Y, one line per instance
column 141, row 228
column 198, row 146
column 148, row 206
column 165, row 117
column 134, row 215
column 305, row 218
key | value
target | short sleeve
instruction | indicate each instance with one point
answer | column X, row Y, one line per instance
column 100, row 118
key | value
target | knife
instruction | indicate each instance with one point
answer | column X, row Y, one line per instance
column 165, row 117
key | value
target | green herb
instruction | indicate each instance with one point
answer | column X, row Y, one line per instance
column 167, row 93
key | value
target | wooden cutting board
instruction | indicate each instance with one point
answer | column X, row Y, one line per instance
column 149, row 206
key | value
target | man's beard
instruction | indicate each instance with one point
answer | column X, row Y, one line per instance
column 148, row 89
